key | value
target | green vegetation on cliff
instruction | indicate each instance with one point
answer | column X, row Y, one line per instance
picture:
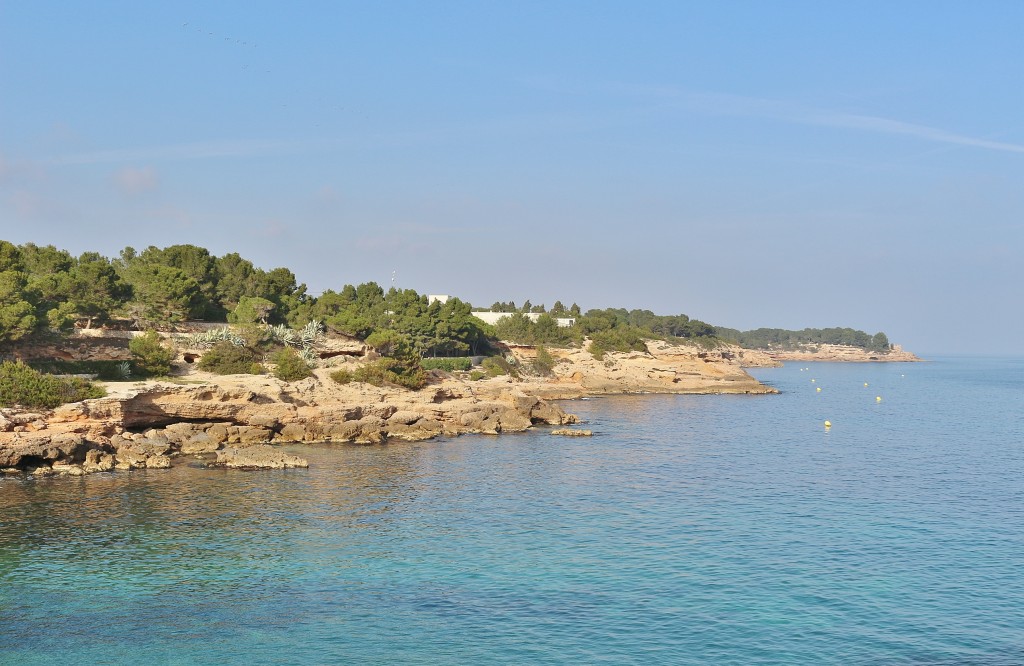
column 151, row 355
column 45, row 288
column 777, row 338
column 611, row 329
column 22, row 386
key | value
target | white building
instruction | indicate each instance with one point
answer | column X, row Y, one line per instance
column 493, row 317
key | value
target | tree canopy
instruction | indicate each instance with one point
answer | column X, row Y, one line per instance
column 765, row 338
column 45, row 287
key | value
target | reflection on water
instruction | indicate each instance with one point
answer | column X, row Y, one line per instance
column 689, row 529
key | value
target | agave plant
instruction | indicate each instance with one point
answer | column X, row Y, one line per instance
column 192, row 340
column 124, row 370
column 282, row 334
column 312, row 333
column 212, row 337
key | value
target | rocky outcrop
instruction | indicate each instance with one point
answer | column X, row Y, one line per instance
column 236, row 421
column 38, row 448
column 257, row 457
column 147, row 426
column 571, row 432
column 842, row 353
column 662, row 368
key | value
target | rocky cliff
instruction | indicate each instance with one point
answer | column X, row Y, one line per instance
column 146, row 424
column 235, row 420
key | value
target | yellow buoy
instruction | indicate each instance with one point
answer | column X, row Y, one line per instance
column 812, row 381
column 878, row 398
column 828, row 424
column 865, row 383
column 818, row 389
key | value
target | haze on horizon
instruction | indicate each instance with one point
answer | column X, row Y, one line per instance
column 749, row 164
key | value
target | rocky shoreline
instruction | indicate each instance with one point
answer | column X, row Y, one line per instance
column 844, row 354
column 237, row 420
column 234, row 424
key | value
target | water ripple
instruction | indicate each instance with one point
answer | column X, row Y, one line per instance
column 695, row 529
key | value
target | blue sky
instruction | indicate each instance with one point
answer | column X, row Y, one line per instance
column 750, row 164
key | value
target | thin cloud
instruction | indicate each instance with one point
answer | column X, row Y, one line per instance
column 720, row 104
column 135, row 181
column 185, row 151
column 889, row 126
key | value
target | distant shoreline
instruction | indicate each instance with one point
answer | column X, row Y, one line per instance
column 844, row 354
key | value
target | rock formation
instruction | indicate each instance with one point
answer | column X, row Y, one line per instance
column 841, row 353
column 236, row 420
column 662, row 368
column 145, row 425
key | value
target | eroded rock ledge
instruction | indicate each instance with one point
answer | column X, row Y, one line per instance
column 236, row 422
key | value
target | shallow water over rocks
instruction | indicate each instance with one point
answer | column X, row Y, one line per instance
column 687, row 529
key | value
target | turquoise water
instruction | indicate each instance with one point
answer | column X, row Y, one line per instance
column 688, row 530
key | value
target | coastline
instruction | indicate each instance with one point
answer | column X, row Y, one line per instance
column 235, row 420
column 844, row 354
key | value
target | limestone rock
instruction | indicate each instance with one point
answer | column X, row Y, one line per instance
column 257, row 457
column 42, row 447
column 827, row 352
column 423, row 428
column 218, row 433
column 292, row 432
column 404, row 418
column 64, row 469
column 199, row 443
column 97, row 461
column 158, row 462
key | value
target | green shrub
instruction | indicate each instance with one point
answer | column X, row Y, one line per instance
column 21, row 385
column 225, row 358
column 621, row 339
column 495, row 366
column 543, row 364
column 476, row 376
column 391, row 371
column 387, row 342
column 454, row 364
column 152, row 357
column 342, row 376
column 401, row 365
column 289, row 366
column 382, row 372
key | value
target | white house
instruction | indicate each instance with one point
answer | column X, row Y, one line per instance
column 493, row 317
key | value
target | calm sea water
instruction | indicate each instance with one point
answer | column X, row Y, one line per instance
column 688, row 530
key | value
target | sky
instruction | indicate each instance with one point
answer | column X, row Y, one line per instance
column 786, row 164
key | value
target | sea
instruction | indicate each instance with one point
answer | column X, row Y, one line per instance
column 707, row 529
